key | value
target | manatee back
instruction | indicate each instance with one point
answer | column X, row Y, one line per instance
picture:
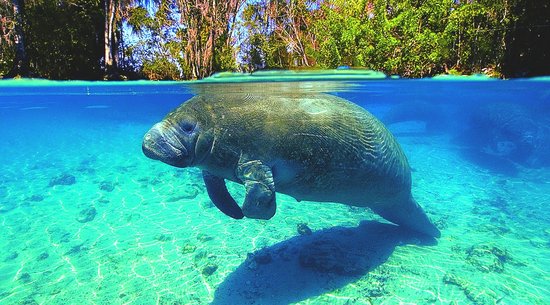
column 336, row 145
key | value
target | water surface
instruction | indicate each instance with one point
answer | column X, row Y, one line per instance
column 87, row 219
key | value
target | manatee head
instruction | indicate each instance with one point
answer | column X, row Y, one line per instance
column 180, row 139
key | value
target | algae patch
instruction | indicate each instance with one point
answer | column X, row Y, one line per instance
column 473, row 293
column 490, row 258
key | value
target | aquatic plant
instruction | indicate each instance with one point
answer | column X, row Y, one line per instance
column 487, row 257
column 473, row 293
column 188, row 248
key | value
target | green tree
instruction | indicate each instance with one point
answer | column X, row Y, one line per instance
column 160, row 48
column 473, row 37
column 115, row 12
column 63, row 38
column 58, row 38
column 408, row 37
column 20, row 63
column 7, row 26
column 286, row 29
column 83, row 38
column 208, row 26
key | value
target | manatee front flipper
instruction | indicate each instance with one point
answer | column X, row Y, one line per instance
column 257, row 177
column 217, row 191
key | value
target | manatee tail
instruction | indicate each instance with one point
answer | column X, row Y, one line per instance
column 409, row 215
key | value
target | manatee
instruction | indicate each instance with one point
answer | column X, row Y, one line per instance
column 314, row 147
column 435, row 115
column 507, row 132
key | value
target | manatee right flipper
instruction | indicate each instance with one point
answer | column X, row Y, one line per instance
column 259, row 202
column 217, row 191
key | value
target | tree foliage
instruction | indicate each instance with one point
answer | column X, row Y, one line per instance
column 405, row 37
column 59, row 51
column 158, row 51
column 196, row 44
column 7, row 31
column 191, row 39
column 61, row 38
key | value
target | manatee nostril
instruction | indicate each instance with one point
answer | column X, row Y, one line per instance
column 149, row 145
column 148, row 141
column 149, row 150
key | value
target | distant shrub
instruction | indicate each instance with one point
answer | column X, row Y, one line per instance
column 160, row 69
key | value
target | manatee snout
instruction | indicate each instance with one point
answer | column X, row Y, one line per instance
column 162, row 143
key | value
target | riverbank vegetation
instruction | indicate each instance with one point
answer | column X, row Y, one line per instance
column 191, row 39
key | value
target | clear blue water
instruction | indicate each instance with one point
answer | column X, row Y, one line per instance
column 86, row 218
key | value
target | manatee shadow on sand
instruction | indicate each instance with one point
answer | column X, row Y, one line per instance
column 311, row 265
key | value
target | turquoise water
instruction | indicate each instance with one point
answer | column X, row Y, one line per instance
column 86, row 218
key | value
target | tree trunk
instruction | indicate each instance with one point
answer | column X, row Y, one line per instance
column 21, row 61
column 110, row 37
column 205, row 21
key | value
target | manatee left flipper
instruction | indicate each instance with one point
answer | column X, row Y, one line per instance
column 217, row 191
column 257, row 177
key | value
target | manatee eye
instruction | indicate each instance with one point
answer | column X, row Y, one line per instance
column 188, row 127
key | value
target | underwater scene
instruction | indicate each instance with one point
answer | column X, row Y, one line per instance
column 88, row 217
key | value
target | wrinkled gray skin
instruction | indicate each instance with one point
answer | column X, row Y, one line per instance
column 314, row 147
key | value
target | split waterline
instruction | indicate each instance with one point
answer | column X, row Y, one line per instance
column 87, row 218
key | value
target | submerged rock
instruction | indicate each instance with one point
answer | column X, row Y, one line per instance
column 61, row 236
column 86, row 215
column 64, row 179
column 42, row 256
column 28, row 301
column 36, row 198
column 163, row 237
column 76, row 249
column 188, row 191
column 155, row 181
column 25, row 277
column 303, row 229
column 206, row 204
column 103, row 200
column 202, row 237
column 201, row 255
column 107, row 186
column 209, row 269
column 13, row 255
column 261, row 257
